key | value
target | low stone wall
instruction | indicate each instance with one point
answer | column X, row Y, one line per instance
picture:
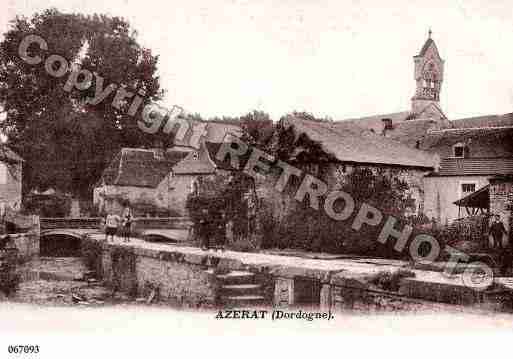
column 162, row 223
column 186, row 276
column 177, row 279
column 27, row 245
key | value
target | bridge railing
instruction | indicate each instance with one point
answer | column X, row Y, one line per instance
column 95, row 222
column 68, row 222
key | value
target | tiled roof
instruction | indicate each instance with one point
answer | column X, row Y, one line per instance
column 196, row 162
column 213, row 149
column 140, row 167
column 215, row 132
column 347, row 144
column 375, row 122
column 409, row 132
column 475, row 166
column 9, row 155
column 407, row 128
column 484, row 121
column 428, row 43
column 448, row 137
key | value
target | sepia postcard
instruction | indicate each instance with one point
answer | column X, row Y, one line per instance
column 249, row 178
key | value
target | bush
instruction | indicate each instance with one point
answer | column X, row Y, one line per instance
column 9, row 279
column 92, row 254
column 313, row 230
column 243, row 245
column 53, row 205
column 389, row 281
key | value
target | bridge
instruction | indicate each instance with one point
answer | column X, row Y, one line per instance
column 58, row 234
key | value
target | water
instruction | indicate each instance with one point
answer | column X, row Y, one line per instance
column 62, row 281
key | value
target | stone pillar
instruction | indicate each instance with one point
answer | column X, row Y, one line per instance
column 501, row 197
column 284, row 292
column 106, row 266
column 325, row 301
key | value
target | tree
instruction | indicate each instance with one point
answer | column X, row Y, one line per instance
column 257, row 129
column 66, row 141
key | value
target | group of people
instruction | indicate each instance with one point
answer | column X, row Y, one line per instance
column 212, row 230
column 114, row 222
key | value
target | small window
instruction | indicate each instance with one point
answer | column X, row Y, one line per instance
column 468, row 188
column 459, row 151
column 3, row 173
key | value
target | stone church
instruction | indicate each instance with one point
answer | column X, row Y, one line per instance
column 472, row 151
column 410, row 126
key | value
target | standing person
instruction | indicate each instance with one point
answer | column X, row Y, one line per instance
column 204, row 229
column 127, row 222
column 220, row 230
column 111, row 225
column 497, row 230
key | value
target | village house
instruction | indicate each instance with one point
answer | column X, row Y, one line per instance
column 10, row 179
column 343, row 148
column 442, row 160
column 471, row 150
column 157, row 181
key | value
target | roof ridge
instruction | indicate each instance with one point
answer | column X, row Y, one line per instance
column 472, row 128
column 375, row 115
column 478, row 158
column 378, row 143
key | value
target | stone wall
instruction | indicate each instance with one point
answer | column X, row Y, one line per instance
column 10, row 190
column 501, row 199
column 109, row 198
column 181, row 276
column 27, row 245
column 176, row 278
column 441, row 192
column 177, row 283
column 179, row 188
column 26, row 239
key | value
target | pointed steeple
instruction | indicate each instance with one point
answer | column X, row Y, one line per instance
column 428, row 75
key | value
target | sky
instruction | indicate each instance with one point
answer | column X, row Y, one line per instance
column 341, row 59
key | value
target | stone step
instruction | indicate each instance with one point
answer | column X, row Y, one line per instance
column 237, row 277
column 244, row 301
column 241, row 289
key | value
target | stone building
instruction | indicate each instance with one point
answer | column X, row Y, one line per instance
column 470, row 157
column 501, row 199
column 10, row 179
column 188, row 174
column 471, row 150
column 410, row 126
column 140, row 177
column 157, row 181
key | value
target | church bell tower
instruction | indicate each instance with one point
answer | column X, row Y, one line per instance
column 429, row 75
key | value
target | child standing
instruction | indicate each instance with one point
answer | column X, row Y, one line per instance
column 111, row 225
